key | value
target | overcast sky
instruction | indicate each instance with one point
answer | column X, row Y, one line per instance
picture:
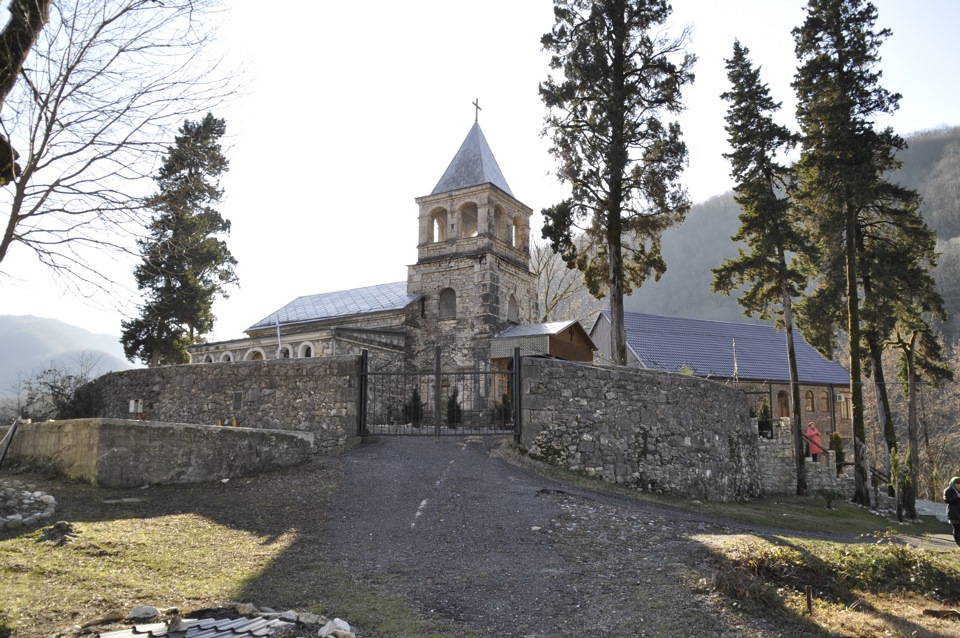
column 354, row 109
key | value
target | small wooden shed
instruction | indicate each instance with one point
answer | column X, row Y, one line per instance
column 558, row 339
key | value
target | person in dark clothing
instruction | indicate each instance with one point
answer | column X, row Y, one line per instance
column 951, row 497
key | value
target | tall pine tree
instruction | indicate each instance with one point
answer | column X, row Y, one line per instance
column 621, row 77
column 185, row 266
column 843, row 163
column 768, row 225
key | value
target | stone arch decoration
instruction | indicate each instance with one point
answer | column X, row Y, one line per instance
column 468, row 220
column 285, row 352
column 226, row 357
column 305, row 351
column 438, row 225
column 448, row 304
column 513, row 310
column 516, row 234
column 254, row 354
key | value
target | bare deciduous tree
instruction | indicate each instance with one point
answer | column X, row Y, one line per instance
column 102, row 90
column 561, row 291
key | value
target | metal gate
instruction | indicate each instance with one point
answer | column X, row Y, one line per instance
column 437, row 403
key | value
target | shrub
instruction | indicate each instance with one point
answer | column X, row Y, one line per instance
column 454, row 411
column 413, row 409
column 503, row 410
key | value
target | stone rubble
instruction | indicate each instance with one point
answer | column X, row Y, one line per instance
column 303, row 625
column 23, row 505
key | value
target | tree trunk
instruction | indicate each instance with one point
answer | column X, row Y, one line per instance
column 884, row 413
column 27, row 19
column 861, row 492
column 913, row 430
column 796, row 421
column 616, row 165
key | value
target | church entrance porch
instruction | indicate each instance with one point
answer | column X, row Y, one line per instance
column 438, row 402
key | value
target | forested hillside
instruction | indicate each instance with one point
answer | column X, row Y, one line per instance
column 702, row 241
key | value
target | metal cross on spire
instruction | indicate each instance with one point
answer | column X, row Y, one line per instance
column 476, row 114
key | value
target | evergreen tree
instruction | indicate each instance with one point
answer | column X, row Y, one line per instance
column 185, row 266
column 844, row 158
column 767, row 224
column 621, row 76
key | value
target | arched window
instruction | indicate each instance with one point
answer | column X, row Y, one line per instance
column 285, row 352
column 783, row 404
column 513, row 310
column 254, row 354
column 438, row 225
column 808, row 401
column 208, row 358
column 307, row 352
column 516, row 234
column 468, row 220
column 448, row 304
column 499, row 229
column 226, row 357
column 824, row 402
column 844, row 406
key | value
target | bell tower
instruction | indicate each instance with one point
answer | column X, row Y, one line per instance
column 473, row 258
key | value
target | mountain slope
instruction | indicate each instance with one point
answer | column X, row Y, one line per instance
column 702, row 241
column 32, row 343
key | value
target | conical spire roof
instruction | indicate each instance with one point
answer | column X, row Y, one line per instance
column 474, row 164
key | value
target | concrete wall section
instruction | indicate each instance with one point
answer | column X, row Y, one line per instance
column 118, row 453
column 657, row 431
column 317, row 395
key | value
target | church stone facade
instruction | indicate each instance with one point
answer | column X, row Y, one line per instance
column 472, row 280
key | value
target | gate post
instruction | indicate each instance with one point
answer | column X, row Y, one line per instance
column 517, row 403
column 436, row 391
column 362, row 394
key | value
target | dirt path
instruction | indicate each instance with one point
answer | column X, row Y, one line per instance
column 497, row 551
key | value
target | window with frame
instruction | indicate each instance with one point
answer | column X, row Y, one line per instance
column 448, row 304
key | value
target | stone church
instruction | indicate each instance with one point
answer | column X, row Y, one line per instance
column 471, row 283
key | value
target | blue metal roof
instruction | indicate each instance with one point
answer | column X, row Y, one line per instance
column 707, row 349
column 474, row 164
column 342, row 303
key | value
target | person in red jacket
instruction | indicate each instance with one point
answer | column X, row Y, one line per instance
column 814, row 435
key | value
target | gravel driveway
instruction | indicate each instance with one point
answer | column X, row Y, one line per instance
column 497, row 551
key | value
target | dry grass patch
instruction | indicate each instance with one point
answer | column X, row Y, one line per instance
column 179, row 560
column 869, row 589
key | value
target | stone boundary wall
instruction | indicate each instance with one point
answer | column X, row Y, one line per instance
column 316, row 395
column 121, row 453
column 657, row 431
column 779, row 472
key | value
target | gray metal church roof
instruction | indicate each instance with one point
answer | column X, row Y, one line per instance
column 474, row 164
column 342, row 303
column 706, row 348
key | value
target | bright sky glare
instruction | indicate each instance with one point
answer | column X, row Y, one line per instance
column 351, row 110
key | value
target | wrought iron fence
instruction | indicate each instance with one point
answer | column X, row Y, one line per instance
column 438, row 403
